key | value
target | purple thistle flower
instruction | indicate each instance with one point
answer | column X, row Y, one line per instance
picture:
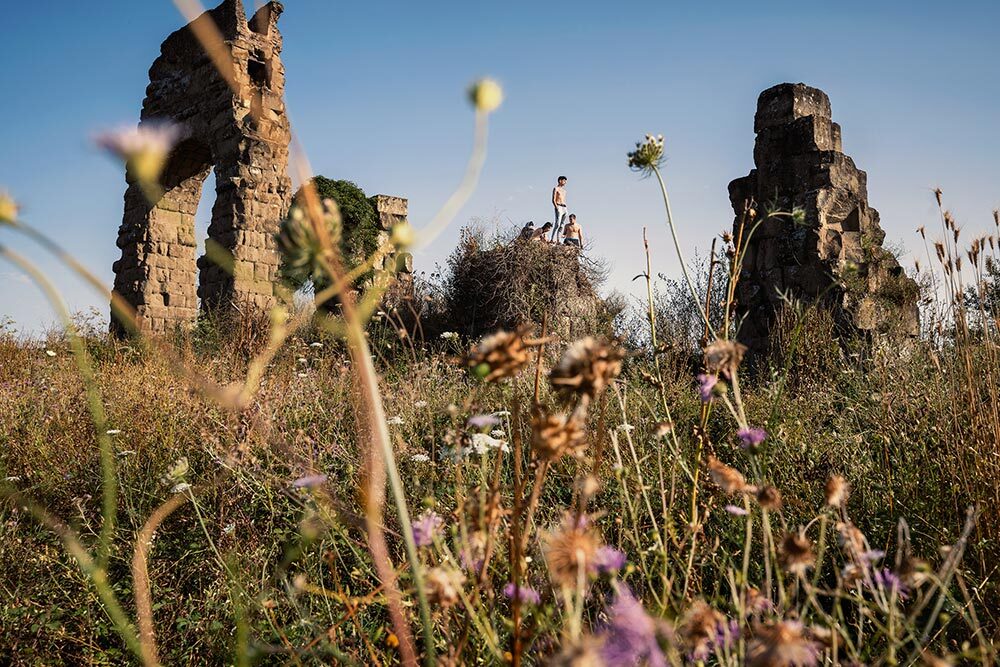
column 425, row 528
column 482, row 421
column 523, row 594
column 608, row 560
column 890, row 581
column 630, row 635
column 751, row 437
column 706, row 386
column 309, row 481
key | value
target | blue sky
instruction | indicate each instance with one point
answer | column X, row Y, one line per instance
column 375, row 92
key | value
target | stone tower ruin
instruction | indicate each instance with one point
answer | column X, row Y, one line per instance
column 242, row 134
column 836, row 253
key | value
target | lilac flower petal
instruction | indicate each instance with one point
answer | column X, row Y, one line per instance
column 483, row 421
column 736, row 510
column 524, row 594
column 309, row 481
column 608, row 560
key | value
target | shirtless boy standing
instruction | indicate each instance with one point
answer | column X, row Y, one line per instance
column 559, row 203
column 573, row 233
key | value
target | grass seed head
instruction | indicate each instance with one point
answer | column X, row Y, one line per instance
column 587, row 367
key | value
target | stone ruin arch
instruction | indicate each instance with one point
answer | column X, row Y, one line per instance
column 242, row 134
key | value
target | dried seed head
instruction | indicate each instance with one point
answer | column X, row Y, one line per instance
column 700, row 627
column 728, row 479
column 500, row 355
column 769, row 498
column 853, row 541
column 723, row 357
column 837, row 491
column 587, row 367
column 554, row 436
column 443, row 586
column 782, row 644
column 796, row 553
column 571, row 551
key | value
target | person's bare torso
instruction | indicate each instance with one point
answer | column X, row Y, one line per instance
column 572, row 231
column 559, row 195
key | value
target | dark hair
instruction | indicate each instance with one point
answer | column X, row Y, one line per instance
column 561, row 178
column 547, row 225
column 572, row 216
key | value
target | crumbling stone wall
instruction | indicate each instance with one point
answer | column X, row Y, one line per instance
column 835, row 253
column 393, row 270
column 244, row 135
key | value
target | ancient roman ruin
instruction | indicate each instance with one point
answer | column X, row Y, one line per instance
column 239, row 129
column 835, row 253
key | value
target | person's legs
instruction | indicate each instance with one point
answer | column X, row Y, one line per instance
column 560, row 212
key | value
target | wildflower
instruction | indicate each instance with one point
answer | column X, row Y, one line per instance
column 177, row 471
column 305, row 246
column 113, row 431
column 769, row 498
column 498, row 433
column 143, row 149
column 448, row 335
column 723, row 357
column 317, row 344
column 473, row 552
column 583, row 652
column 420, row 458
column 891, row 583
column 630, row 637
column 706, row 386
column 757, row 603
column 8, row 208
column 781, row 644
column 648, row 154
column 482, row 422
column 608, row 560
column 403, row 236
column 50, row 353
column 12, row 478
column 420, row 404
column 796, row 553
column 500, row 355
column 444, row 586
column 728, row 479
column 553, row 436
column 391, row 640
column 625, row 428
column 852, row 540
column 309, row 481
column 587, row 367
column 663, row 429
column 699, row 629
column 571, row 551
column 751, row 437
column 486, row 95
column 426, row 528
column 736, row 510
column 523, row 594
column 229, row 529
column 482, row 443
column 837, row 491
column 180, row 488
column 395, row 421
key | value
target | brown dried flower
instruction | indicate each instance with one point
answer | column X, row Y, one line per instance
column 769, row 498
column 700, row 627
column 443, row 586
column 723, row 357
column 837, row 491
column 781, row 644
column 553, row 436
column 587, row 367
column 853, row 541
column 585, row 652
column 500, row 355
column 571, row 549
column 797, row 553
column 730, row 480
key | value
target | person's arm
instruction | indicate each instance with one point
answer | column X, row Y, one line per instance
column 554, row 202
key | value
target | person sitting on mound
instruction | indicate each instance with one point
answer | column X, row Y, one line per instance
column 573, row 233
column 542, row 233
column 527, row 231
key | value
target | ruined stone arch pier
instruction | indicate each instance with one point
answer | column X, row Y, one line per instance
column 242, row 133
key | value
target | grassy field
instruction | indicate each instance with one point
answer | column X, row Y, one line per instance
column 265, row 557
